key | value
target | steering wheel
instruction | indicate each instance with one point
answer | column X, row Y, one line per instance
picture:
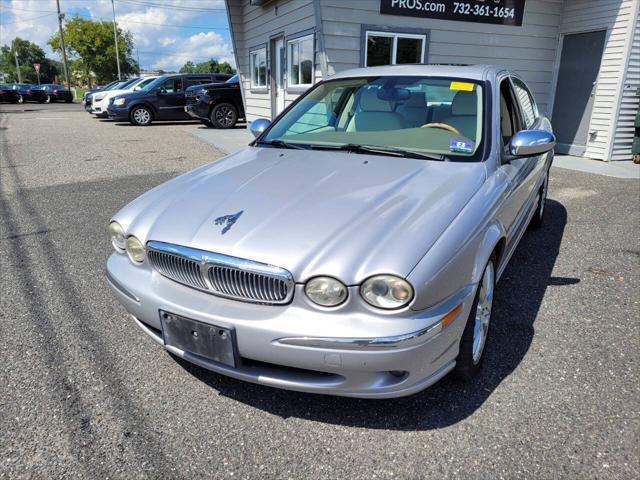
column 443, row 126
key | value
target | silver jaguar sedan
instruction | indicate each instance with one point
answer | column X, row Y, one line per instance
column 355, row 246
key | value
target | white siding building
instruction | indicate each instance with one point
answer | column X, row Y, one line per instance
column 581, row 58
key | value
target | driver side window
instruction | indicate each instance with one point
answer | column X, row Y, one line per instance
column 171, row 85
column 509, row 116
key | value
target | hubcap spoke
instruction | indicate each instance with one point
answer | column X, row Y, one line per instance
column 483, row 313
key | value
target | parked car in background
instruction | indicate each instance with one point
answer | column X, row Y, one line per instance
column 86, row 97
column 162, row 99
column 56, row 93
column 29, row 93
column 355, row 247
column 100, row 100
column 8, row 94
column 216, row 104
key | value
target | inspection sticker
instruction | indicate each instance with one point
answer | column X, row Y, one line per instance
column 464, row 86
column 461, row 146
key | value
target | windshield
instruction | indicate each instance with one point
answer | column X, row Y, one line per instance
column 151, row 85
column 141, row 82
column 128, row 83
column 113, row 85
column 233, row 79
column 422, row 114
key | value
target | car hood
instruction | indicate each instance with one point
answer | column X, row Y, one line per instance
column 322, row 213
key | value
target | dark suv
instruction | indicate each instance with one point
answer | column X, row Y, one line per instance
column 162, row 99
column 216, row 104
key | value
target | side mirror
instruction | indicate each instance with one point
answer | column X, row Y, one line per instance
column 258, row 126
column 528, row 143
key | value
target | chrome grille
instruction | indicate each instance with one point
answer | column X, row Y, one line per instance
column 222, row 275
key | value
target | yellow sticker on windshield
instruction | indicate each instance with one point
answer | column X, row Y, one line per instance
column 464, row 86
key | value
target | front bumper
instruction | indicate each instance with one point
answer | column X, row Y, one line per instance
column 120, row 114
column 298, row 347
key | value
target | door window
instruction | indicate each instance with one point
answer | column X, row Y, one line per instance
column 190, row 81
column 386, row 48
column 171, row 85
column 509, row 116
column 527, row 104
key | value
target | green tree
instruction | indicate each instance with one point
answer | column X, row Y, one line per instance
column 90, row 45
column 28, row 54
column 208, row 66
column 188, row 67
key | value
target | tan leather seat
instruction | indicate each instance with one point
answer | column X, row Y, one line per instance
column 464, row 109
column 374, row 114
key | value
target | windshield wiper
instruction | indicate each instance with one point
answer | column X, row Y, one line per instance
column 393, row 151
column 281, row 144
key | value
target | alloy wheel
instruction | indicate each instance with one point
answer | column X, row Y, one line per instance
column 483, row 312
column 225, row 116
column 142, row 116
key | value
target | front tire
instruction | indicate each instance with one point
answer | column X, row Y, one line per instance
column 224, row 115
column 141, row 116
column 476, row 331
column 538, row 217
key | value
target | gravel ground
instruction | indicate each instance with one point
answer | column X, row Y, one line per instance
column 85, row 394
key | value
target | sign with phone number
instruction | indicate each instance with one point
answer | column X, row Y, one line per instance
column 502, row 12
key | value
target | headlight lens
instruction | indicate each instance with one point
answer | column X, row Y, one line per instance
column 387, row 291
column 135, row 249
column 116, row 233
column 326, row 291
column 119, row 101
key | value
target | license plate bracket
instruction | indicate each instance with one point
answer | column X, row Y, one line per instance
column 210, row 341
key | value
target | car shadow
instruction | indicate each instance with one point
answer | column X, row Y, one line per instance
column 238, row 126
column 159, row 123
column 518, row 299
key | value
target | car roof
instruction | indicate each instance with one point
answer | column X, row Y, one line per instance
column 474, row 72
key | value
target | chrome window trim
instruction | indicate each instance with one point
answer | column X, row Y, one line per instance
column 209, row 259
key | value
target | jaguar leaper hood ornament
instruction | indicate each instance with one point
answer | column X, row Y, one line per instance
column 228, row 221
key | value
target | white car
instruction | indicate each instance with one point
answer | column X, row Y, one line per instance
column 100, row 100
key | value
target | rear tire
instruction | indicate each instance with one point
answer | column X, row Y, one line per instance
column 224, row 115
column 476, row 331
column 141, row 116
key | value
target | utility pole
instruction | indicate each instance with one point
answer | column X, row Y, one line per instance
column 64, row 51
column 15, row 54
column 115, row 38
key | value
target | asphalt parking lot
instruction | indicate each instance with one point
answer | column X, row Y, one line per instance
column 85, row 394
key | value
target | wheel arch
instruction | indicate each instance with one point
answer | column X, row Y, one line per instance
column 494, row 241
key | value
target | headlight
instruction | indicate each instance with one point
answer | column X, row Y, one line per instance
column 116, row 233
column 119, row 102
column 135, row 249
column 326, row 291
column 99, row 97
column 386, row 291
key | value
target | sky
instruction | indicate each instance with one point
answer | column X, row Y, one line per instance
column 166, row 33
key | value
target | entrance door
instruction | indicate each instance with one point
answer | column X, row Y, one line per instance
column 575, row 91
column 277, row 76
